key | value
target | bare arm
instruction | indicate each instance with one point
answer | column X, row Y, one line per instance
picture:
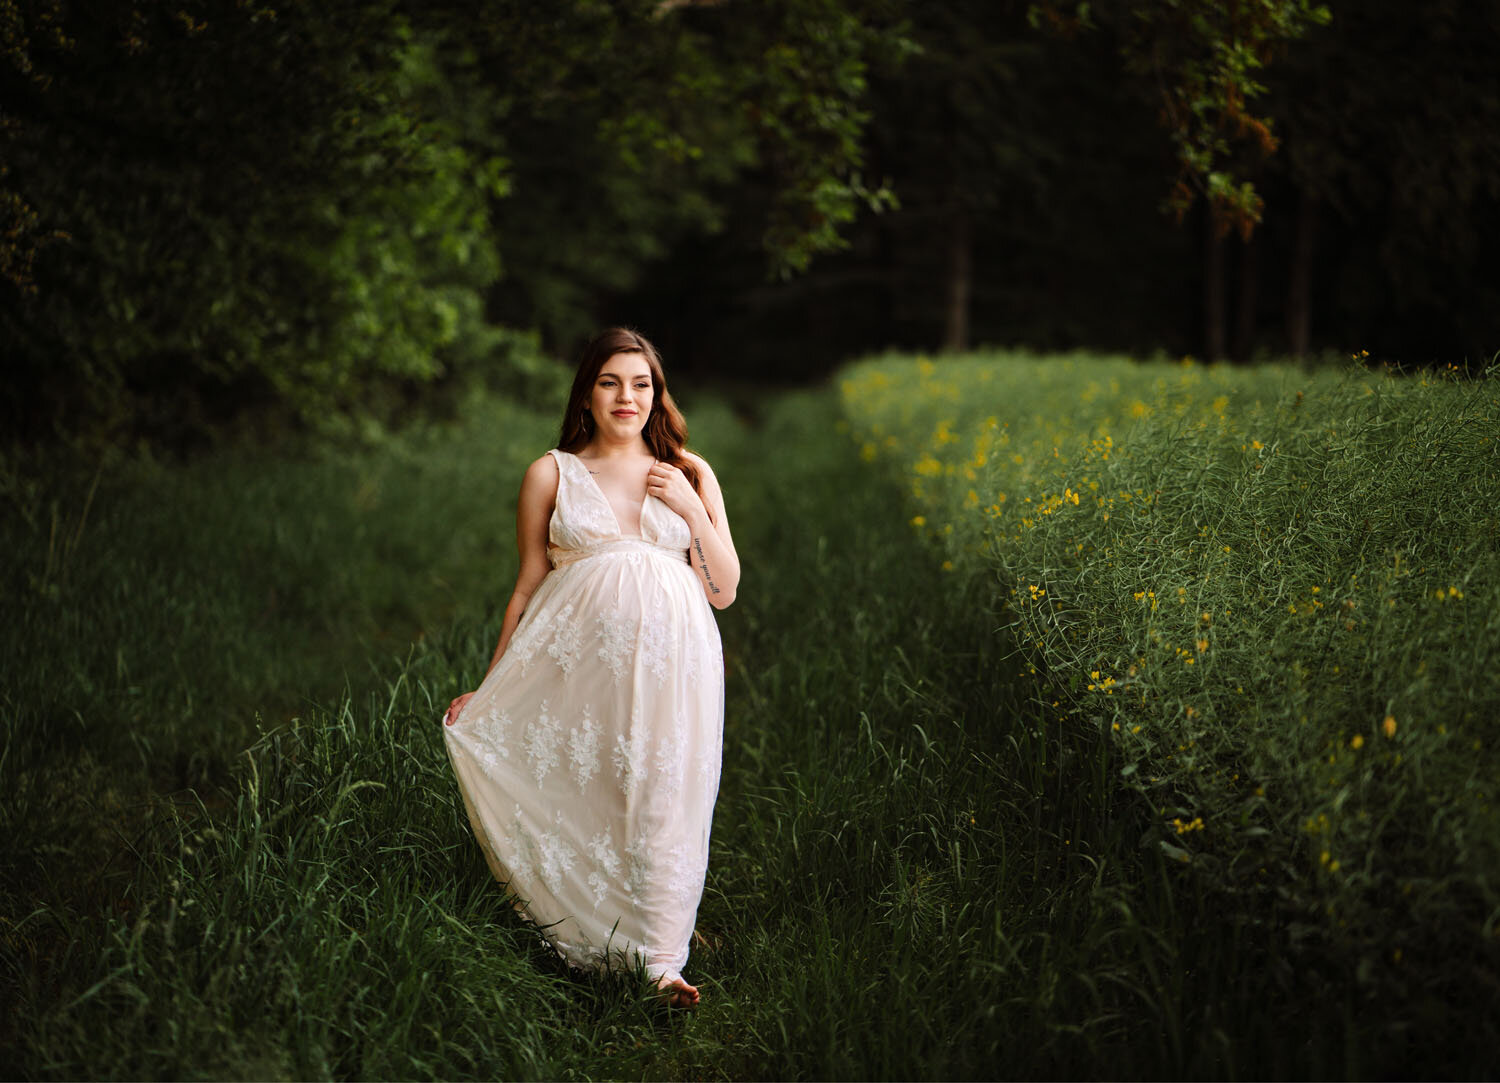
column 533, row 512
column 711, row 552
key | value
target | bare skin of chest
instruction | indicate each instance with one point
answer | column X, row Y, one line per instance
column 624, row 486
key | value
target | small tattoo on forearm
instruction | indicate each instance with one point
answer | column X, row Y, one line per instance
column 703, row 566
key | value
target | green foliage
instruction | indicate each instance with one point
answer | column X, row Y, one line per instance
column 809, row 80
column 1275, row 592
column 263, row 208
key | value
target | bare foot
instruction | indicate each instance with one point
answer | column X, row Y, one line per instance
column 678, row 993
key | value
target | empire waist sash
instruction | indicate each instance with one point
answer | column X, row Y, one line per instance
column 562, row 557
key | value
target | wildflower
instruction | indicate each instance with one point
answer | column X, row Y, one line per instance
column 1202, row 645
column 1388, row 727
column 1357, row 742
column 1256, row 444
column 919, row 520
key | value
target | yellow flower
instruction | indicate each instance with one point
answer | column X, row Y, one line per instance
column 1357, row 742
column 919, row 520
column 1388, row 727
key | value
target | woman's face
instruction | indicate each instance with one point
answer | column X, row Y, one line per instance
column 622, row 396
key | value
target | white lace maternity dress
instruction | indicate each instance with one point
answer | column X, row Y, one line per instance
column 589, row 757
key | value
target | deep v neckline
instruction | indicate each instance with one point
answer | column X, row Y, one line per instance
column 609, row 504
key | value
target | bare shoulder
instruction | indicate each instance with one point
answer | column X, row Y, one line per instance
column 541, row 479
column 543, row 469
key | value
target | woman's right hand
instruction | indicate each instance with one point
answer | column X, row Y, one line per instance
column 455, row 707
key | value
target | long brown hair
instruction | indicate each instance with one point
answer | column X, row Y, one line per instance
column 665, row 432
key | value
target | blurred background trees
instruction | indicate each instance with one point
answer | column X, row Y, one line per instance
column 221, row 213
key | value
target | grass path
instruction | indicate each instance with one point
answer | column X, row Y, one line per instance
column 911, row 875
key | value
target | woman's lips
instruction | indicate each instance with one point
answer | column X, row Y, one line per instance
column 623, row 413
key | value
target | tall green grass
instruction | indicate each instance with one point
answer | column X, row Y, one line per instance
column 1277, row 593
column 159, row 615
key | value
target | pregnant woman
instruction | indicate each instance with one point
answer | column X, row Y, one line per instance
column 588, row 757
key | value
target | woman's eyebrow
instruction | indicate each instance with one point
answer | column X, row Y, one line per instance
column 612, row 376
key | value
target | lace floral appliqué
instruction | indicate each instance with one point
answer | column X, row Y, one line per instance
column 541, row 741
column 583, row 749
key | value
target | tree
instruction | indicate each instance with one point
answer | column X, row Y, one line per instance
column 1204, row 58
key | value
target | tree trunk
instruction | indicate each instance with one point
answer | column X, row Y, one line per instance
column 1244, row 326
column 1299, row 280
column 1213, row 289
column 960, row 281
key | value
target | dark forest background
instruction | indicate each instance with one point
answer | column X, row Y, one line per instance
column 224, row 215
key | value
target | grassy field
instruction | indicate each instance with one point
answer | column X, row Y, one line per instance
column 1277, row 593
column 933, row 855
